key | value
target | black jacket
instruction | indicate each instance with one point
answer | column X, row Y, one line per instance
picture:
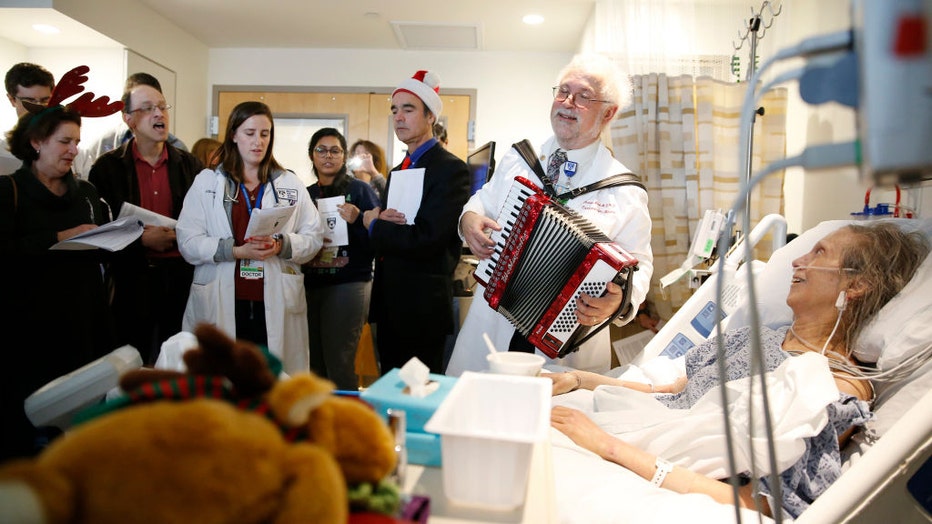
column 413, row 283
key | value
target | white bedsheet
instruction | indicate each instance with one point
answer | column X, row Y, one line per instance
column 590, row 489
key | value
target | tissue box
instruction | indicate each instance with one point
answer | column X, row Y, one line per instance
column 423, row 448
column 388, row 393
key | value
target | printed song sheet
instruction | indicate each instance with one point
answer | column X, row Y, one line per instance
column 113, row 236
column 405, row 192
column 336, row 233
column 149, row 218
column 264, row 222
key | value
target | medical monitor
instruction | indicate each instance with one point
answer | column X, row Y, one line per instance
column 481, row 164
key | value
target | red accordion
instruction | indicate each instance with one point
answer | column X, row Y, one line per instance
column 545, row 256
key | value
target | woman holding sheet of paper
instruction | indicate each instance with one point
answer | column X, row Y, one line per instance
column 54, row 302
column 339, row 279
column 251, row 287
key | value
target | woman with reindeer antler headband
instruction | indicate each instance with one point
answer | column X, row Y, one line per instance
column 54, row 305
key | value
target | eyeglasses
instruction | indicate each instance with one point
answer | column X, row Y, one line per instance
column 324, row 152
column 44, row 101
column 145, row 110
column 581, row 99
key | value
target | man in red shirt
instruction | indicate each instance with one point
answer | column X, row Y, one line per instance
column 151, row 279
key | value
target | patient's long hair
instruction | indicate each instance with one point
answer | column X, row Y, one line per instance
column 885, row 258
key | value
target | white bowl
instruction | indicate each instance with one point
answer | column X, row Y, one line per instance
column 515, row 363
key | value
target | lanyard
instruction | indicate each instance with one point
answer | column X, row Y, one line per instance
column 242, row 188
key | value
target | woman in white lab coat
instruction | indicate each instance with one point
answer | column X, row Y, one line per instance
column 251, row 288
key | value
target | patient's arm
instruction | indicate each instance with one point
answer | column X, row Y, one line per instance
column 585, row 433
column 573, row 380
column 858, row 388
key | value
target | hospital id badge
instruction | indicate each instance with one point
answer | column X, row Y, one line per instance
column 250, row 269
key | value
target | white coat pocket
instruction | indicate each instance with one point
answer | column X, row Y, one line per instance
column 293, row 293
column 203, row 305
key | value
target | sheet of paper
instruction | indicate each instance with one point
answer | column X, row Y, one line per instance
column 405, row 192
column 268, row 221
column 336, row 233
column 113, row 236
column 149, row 218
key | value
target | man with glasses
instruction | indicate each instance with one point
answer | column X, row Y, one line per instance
column 412, row 292
column 151, row 279
column 28, row 83
column 586, row 99
column 120, row 134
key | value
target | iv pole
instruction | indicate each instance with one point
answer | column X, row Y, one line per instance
column 754, row 32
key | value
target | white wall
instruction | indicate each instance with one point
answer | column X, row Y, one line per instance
column 513, row 89
column 105, row 78
column 817, row 195
column 149, row 34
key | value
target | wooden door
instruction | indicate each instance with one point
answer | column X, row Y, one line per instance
column 368, row 115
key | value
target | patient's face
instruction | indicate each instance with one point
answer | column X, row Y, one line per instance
column 817, row 276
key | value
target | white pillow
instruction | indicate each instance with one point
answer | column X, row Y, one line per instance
column 904, row 325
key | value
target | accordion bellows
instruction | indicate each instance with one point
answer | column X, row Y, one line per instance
column 545, row 256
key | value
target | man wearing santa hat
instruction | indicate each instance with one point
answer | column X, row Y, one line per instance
column 412, row 292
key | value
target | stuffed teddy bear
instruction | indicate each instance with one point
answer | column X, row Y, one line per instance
column 243, row 448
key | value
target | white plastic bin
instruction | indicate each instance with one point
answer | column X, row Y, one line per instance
column 488, row 426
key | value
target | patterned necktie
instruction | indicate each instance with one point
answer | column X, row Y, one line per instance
column 557, row 159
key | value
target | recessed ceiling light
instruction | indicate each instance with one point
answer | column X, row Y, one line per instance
column 46, row 29
column 533, row 19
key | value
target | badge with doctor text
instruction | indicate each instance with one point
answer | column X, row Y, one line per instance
column 250, row 269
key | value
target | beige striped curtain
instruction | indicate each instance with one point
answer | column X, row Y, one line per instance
column 681, row 135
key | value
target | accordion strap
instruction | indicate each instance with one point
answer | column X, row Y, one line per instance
column 623, row 179
column 526, row 150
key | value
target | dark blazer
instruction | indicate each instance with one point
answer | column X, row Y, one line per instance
column 413, row 284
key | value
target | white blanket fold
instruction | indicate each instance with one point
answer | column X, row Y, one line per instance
column 799, row 390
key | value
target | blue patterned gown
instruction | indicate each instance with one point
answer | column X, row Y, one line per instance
column 820, row 464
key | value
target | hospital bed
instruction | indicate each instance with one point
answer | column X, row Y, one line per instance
column 880, row 462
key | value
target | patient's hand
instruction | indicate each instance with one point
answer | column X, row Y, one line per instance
column 563, row 382
column 674, row 387
column 580, row 429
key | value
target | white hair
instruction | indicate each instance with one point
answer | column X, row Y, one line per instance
column 603, row 74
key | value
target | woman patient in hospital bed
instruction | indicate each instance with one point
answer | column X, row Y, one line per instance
column 837, row 287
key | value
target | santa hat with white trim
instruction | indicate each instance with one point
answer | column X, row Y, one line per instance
column 426, row 86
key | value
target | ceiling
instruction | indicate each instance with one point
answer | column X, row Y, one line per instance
column 484, row 25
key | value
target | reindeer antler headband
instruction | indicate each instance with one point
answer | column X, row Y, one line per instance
column 85, row 105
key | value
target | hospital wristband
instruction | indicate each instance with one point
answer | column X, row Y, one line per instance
column 578, row 381
column 663, row 467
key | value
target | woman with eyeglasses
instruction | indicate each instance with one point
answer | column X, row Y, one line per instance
column 252, row 288
column 339, row 279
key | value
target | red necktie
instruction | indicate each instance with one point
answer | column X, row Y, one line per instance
column 406, row 162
